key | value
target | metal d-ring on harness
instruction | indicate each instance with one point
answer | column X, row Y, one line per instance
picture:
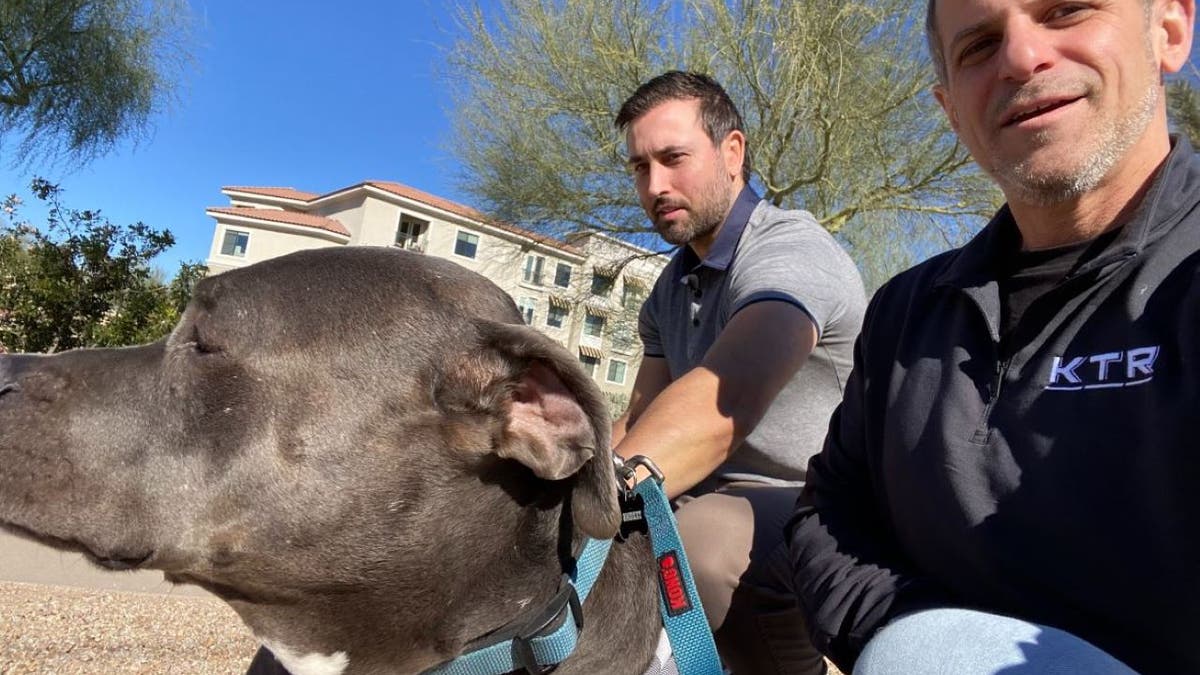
column 683, row 617
column 551, row 635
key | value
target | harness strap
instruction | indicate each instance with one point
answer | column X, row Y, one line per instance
column 550, row 636
column 682, row 613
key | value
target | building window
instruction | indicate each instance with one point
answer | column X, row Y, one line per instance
column 601, row 284
column 235, row 243
column 589, row 363
column 410, row 233
column 557, row 316
column 527, row 307
column 466, row 245
column 593, row 326
column 616, row 371
column 562, row 275
column 633, row 294
column 533, row 269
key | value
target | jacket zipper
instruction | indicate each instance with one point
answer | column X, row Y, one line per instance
column 981, row 433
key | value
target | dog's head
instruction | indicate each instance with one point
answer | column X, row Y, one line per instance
column 355, row 447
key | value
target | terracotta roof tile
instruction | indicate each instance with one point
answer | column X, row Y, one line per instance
column 398, row 189
column 289, row 217
column 282, row 192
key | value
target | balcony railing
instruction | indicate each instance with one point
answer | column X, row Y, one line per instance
column 411, row 245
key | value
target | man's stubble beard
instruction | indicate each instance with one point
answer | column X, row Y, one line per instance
column 703, row 216
column 1020, row 181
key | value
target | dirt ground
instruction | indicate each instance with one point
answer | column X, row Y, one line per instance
column 57, row 630
column 59, row 615
column 77, row 631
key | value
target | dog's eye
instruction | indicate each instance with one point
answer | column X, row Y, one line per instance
column 198, row 345
column 201, row 348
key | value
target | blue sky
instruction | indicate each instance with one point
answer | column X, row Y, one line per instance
column 309, row 94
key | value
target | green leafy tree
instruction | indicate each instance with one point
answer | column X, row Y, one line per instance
column 81, row 281
column 76, row 76
column 1183, row 104
column 836, row 97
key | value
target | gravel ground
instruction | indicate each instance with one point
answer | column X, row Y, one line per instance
column 75, row 631
column 61, row 630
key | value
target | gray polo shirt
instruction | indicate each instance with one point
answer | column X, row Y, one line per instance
column 763, row 253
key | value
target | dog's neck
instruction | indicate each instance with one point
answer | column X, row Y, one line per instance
column 622, row 606
column 483, row 590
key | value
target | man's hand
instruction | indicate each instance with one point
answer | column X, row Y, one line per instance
column 690, row 426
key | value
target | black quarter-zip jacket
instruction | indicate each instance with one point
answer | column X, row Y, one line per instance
column 1055, row 478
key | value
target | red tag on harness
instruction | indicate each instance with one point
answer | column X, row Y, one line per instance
column 672, row 585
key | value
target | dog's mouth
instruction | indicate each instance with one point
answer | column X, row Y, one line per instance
column 121, row 563
column 117, row 559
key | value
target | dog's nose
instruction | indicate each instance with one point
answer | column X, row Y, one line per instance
column 8, row 374
column 12, row 366
column 7, row 377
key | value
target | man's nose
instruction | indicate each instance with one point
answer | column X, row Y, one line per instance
column 1027, row 49
column 657, row 182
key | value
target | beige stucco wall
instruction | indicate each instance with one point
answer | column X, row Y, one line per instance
column 637, row 263
column 349, row 210
column 372, row 217
column 263, row 244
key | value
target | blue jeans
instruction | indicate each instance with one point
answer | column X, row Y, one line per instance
column 967, row 642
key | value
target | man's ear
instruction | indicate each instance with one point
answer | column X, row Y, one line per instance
column 943, row 99
column 1175, row 26
column 550, row 416
column 733, row 152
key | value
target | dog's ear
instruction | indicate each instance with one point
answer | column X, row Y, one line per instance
column 546, row 430
column 555, row 420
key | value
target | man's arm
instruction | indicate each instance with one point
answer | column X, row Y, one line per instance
column 850, row 575
column 653, row 376
column 693, row 424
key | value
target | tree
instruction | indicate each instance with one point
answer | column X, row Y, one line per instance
column 836, row 97
column 1183, row 104
column 81, row 281
column 76, row 76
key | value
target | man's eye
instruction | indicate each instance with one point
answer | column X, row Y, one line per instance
column 973, row 51
column 1064, row 11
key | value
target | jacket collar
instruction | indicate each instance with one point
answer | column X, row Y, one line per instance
column 1174, row 191
column 720, row 255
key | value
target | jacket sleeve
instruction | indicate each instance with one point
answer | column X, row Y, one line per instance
column 850, row 573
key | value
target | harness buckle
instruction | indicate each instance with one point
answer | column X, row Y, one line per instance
column 567, row 598
column 626, row 471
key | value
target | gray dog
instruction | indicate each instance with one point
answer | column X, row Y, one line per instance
column 360, row 450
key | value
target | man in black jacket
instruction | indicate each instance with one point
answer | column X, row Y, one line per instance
column 1010, row 482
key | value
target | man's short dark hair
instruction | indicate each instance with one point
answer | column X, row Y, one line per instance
column 718, row 115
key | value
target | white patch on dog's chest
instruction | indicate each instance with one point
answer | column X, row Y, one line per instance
column 308, row 664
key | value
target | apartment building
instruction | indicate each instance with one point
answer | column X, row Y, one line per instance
column 584, row 291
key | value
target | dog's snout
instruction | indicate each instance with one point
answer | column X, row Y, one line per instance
column 21, row 373
column 8, row 377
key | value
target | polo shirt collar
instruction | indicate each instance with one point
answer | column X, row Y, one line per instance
column 720, row 255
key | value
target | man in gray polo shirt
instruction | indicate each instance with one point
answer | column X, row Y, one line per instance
column 748, row 338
